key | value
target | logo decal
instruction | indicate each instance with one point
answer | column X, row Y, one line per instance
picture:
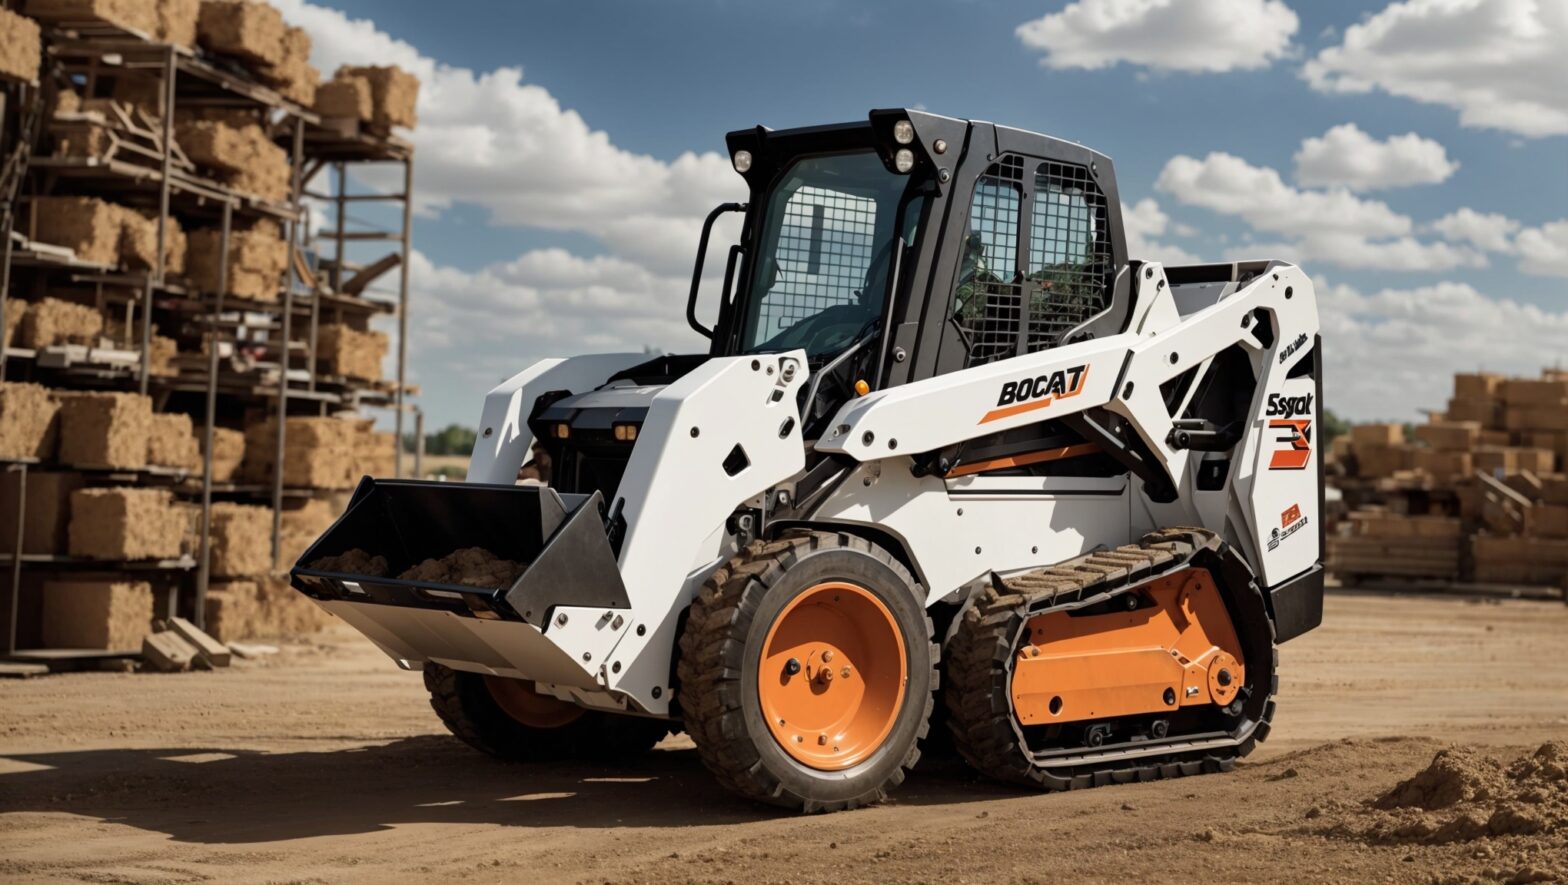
column 1292, row 347
column 1028, row 394
column 1295, row 439
column 1291, row 522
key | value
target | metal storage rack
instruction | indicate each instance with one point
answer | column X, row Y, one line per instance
column 154, row 177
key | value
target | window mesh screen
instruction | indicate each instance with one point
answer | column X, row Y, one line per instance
column 988, row 301
column 1070, row 267
column 824, row 249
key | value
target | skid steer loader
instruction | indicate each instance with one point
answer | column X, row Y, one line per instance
column 952, row 457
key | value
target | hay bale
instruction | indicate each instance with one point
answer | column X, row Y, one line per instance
column 29, row 420
column 177, row 21
column 258, row 256
column 233, row 610
column 319, row 453
column 171, row 442
column 394, row 94
column 139, row 242
column 126, row 523
column 293, row 76
column 88, row 226
column 135, row 15
column 344, row 350
column 96, row 614
column 53, row 321
column 15, row 309
column 227, row 148
column 105, row 429
column 251, row 31
column 228, row 450
column 240, row 540
column 345, row 97
column 21, row 51
column 48, row 513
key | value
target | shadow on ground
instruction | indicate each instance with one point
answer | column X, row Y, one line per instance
column 223, row 796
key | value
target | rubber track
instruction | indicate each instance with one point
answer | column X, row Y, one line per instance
column 978, row 696
column 712, row 650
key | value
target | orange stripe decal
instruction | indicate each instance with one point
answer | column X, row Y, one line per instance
column 1023, row 460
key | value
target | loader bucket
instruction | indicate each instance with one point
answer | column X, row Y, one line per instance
column 560, row 538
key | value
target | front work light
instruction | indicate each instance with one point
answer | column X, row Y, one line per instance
column 904, row 132
column 904, row 160
column 742, row 161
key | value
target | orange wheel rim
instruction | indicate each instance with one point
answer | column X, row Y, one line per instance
column 520, row 700
column 832, row 676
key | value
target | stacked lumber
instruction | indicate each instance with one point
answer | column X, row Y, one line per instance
column 1523, row 536
column 1383, row 543
column 1495, row 454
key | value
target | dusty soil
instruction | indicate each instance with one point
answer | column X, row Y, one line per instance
column 325, row 764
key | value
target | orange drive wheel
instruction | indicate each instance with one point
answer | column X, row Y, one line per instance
column 520, row 700
column 833, row 675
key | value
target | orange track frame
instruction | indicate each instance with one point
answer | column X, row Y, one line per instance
column 1179, row 651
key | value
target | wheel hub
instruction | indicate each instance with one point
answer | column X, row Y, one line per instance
column 832, row 676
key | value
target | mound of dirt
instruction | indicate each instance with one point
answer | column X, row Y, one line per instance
column 353, row 562
column 1465, row 796
column 471, row 566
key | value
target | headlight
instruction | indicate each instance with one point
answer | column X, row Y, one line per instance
column 904, row 160
column 625, row 432
column 742, row 161
column 904, row 132
column 563, row 430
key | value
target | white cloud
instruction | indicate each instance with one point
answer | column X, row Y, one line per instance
column 1489, row 231
column 495, row 141
column 1543, row 250
column 1142, row 222
column 1176, row 35
column 1393, row 353
column 1498, row 62
column 1347, row 157
column 1327, row 226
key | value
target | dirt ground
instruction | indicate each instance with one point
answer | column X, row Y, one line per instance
column 325, row 764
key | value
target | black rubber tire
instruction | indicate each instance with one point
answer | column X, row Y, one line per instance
column 721, row 648
column 470, row 712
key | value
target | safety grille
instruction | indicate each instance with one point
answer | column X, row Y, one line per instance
column 1070, row 265
column 1001, row 303
column 988, row 301
column 824, row 249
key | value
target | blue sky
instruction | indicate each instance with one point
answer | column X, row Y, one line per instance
column 639, row 96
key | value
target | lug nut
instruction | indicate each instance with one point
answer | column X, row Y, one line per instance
column 1224, row 677
column 845, row 674
column 791, row 667
column 827, row 656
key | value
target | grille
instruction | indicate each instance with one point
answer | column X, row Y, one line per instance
column 988, row 302
column 1070, row 264
column 824, row 250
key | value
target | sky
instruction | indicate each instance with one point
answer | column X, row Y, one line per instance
column 1412, row 156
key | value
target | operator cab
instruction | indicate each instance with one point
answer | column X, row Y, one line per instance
column 911, row 245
